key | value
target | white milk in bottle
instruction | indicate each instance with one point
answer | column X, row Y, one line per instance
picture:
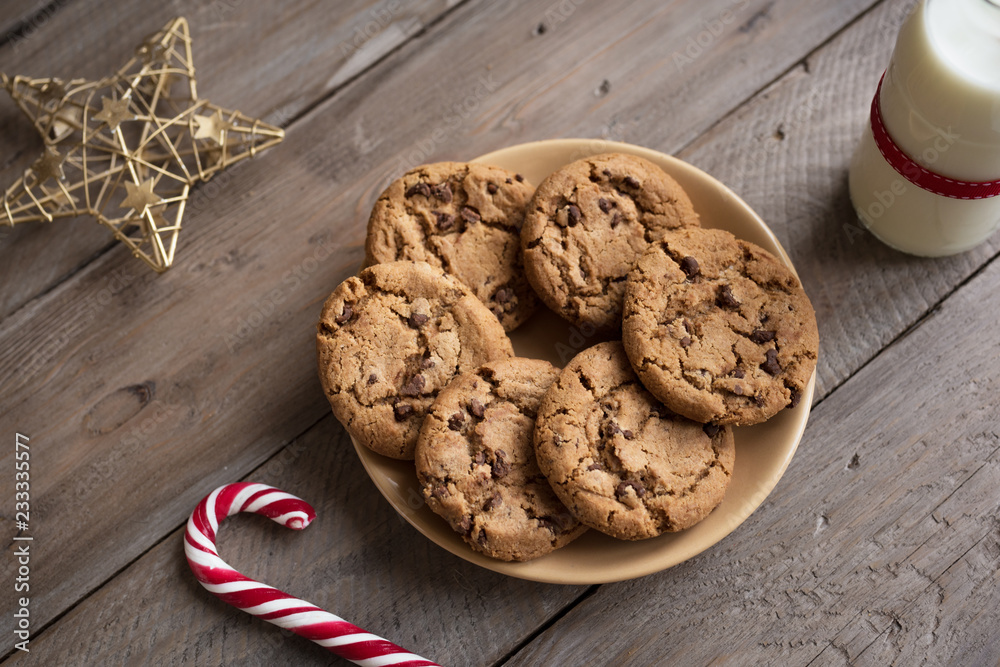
column 926, row 187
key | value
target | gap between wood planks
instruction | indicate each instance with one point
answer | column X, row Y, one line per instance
column 896, row 617
column 934, row 308
column 46, row 12
column 803, row 63
column 19, row 29
column 307, row 110
column 930, row 312
column 300, row 116
column 916, row 600
column 549, row 622
column 167, row 536
column 830, row 645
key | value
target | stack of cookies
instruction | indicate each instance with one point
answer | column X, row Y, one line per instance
column 633, row 437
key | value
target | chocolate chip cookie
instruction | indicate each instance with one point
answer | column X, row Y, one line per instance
column 718, row 328
column 465, row 219
column 476, row 462
column 587, row 224
column 621, row 461
column 392, row 337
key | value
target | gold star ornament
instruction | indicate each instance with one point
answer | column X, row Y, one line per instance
column 127, row 149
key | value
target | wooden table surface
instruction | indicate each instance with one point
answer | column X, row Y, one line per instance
column 142, row 392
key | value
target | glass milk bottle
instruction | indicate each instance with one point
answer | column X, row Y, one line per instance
column 925, row 178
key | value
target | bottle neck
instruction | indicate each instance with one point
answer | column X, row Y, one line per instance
column 966, row 34
column 941, row 94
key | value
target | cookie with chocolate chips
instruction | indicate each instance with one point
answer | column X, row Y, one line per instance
column 718, row 328
column 464, row 218
column 621, row 461
column 476, row 462
column 391, row 338
column 587, row 224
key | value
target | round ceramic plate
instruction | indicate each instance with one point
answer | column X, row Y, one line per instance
column 763, row 451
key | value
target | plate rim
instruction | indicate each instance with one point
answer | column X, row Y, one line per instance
column 523, row 570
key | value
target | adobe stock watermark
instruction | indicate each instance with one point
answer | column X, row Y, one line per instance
column 891, row 21
column 131, row 443
column 452, row 120
column 22, row 552
column 274, row 468
column 413, row 499
column 712, row 30
column 885, row 199
column 30, row 28
column 556, row 14
column 579, row 338
column 224, row 9
column 756, row 160
column 139, row 433
column 597, row 145
column 95, row 302
column 379, row 18
column 261, row 310
column 206, row 191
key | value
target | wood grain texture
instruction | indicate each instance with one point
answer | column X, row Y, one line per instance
column 358, row 559
column 696, row 63
column 872, row 573
column 284, row 231
column 787, row 152
column 865, row 552
column 300, row 55
column 21, row 19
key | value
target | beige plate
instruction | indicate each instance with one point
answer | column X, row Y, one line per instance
column 762, row 451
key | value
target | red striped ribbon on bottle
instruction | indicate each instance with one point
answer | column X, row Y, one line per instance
column 916, row 173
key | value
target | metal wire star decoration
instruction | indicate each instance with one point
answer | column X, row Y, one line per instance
column 128, row 148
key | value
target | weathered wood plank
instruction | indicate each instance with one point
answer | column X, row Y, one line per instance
column 885, row 520
column 358, row 560
column 778, row 149
column 299, row 56
column 786, row 153
column 951, row 608
column 21, row 20
column 304, row 57
column 105, row 369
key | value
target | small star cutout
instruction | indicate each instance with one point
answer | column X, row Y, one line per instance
column 140, row 197
column 212, row 127
column 54, row 90
column 48, row 166
column 174, row 141
column 113, row 112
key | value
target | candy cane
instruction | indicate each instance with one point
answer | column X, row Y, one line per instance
column 267, row 603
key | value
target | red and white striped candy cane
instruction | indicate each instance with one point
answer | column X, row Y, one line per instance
column 274, row 606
